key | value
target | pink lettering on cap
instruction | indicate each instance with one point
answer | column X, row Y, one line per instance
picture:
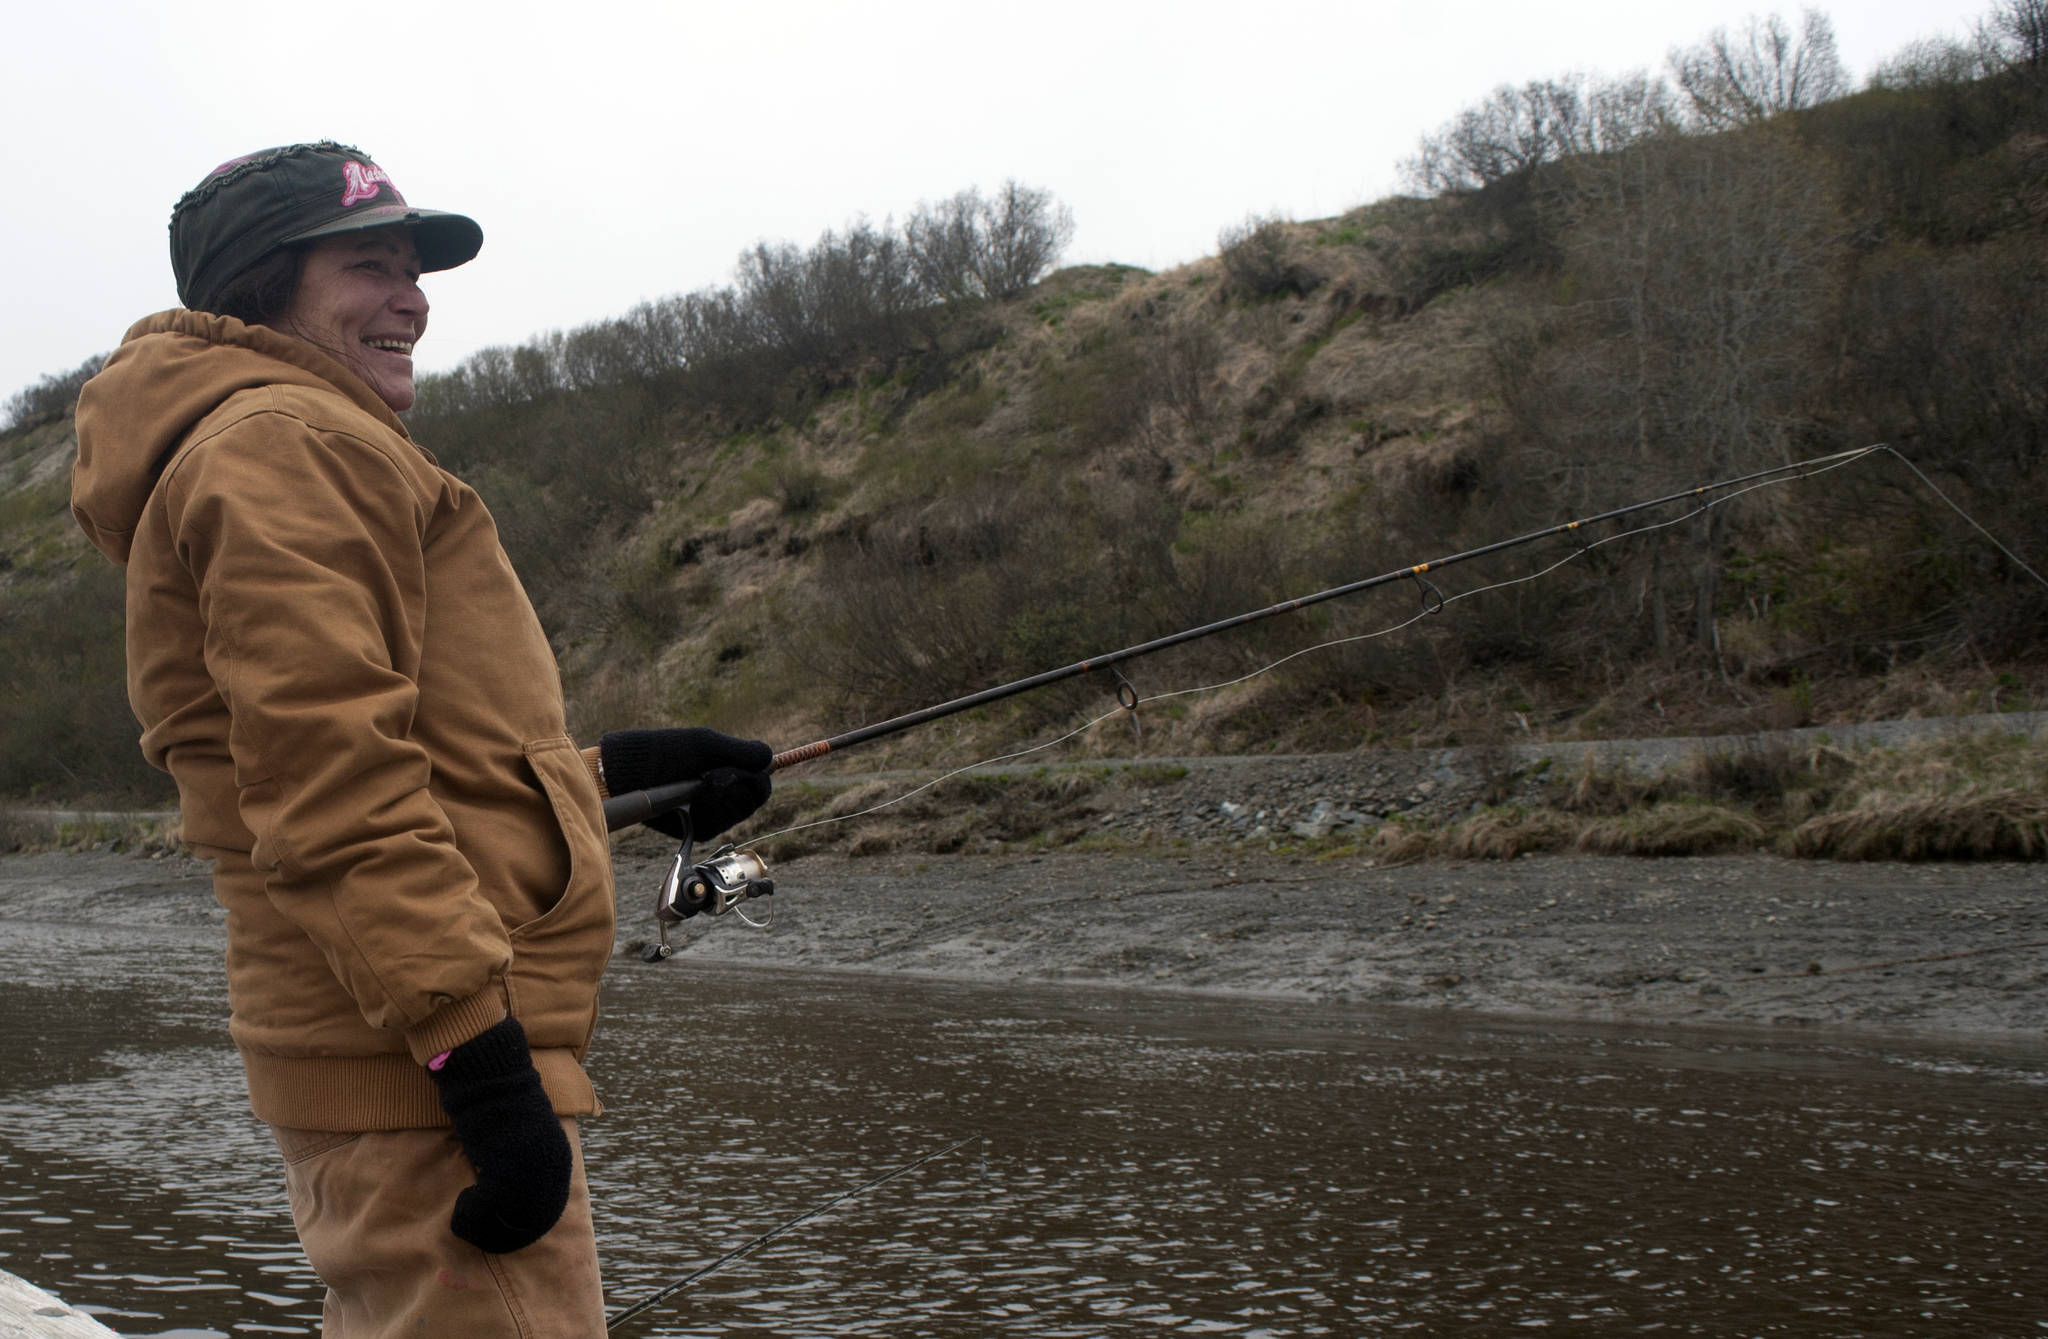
column 362, row 181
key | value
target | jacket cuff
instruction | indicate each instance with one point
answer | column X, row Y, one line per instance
column 593, row 758
column 453, row 1024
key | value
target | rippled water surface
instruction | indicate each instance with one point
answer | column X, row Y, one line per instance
column 1141, row 1164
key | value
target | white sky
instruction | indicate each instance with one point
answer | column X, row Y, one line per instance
column 615, row 150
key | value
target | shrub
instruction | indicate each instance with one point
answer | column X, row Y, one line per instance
column 52, row 396
column 1258, row 260
column 1180, row 365
column 992, row 584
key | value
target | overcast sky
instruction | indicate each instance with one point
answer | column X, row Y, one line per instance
column 615, row 151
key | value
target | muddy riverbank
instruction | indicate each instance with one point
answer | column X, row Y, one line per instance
column 1939, row 948
column 1749, row 939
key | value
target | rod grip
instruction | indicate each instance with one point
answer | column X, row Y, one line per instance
column 637, row 806
column 802, row 753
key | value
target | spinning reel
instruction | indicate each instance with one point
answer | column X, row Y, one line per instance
column 711, row 887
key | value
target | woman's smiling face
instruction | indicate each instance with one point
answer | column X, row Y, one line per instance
column 359, row 298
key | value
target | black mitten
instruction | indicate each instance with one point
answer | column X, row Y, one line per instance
column 510, row 1132
column 734, row 773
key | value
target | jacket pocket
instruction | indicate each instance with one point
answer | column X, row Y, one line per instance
column 558, row 958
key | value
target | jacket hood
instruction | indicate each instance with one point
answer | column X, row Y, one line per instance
column 171, row 371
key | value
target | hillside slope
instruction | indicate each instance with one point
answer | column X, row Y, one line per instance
column 797, row 535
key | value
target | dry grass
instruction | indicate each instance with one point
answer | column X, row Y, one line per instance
column 136, row 835
column 1503, row 834
column 1669, row 828
column 1676, row 828
column 1401, row 844
column 1973, row 797
column 1964, row 798
column 2006, row 825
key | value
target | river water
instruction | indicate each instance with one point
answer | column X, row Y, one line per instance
column 1140, row 1164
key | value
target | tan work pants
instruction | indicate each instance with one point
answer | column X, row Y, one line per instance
column 372, row 1212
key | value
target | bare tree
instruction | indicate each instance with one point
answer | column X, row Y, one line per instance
column 1026, row 230
column 2016, row 35
column 1506, row 135
column 1701, row 270
column 1181, row 363
column 1515, row 131
column 972, row 246
column 864, row 291
column 1737, row 80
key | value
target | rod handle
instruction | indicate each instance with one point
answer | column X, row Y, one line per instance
column 637, row 806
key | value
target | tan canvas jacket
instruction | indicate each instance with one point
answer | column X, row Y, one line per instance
column 329, row 652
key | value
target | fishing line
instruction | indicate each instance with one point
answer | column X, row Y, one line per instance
column 1081, row 729
column 2011, row 557
column 1434, row 602
column 750, row 1246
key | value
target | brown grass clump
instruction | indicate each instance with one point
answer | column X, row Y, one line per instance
column 1960, row 798
column 2007, row 825
column 1672, row 829
column 1600, row 790
column 1399, row 844
column 1503, row 834
column 1970, row 797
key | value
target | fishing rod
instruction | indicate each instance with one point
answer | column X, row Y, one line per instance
column 624, row 810
column 749, row 1247
column 733, row 876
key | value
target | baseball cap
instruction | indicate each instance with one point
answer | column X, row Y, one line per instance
column 249, row 207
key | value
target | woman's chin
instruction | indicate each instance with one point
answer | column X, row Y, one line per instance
column 393, row 385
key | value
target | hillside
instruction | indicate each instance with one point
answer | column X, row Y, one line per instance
column 792, row 527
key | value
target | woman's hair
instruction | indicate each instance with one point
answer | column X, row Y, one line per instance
column 260, row 294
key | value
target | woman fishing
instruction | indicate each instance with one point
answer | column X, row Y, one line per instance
column 329, row 652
